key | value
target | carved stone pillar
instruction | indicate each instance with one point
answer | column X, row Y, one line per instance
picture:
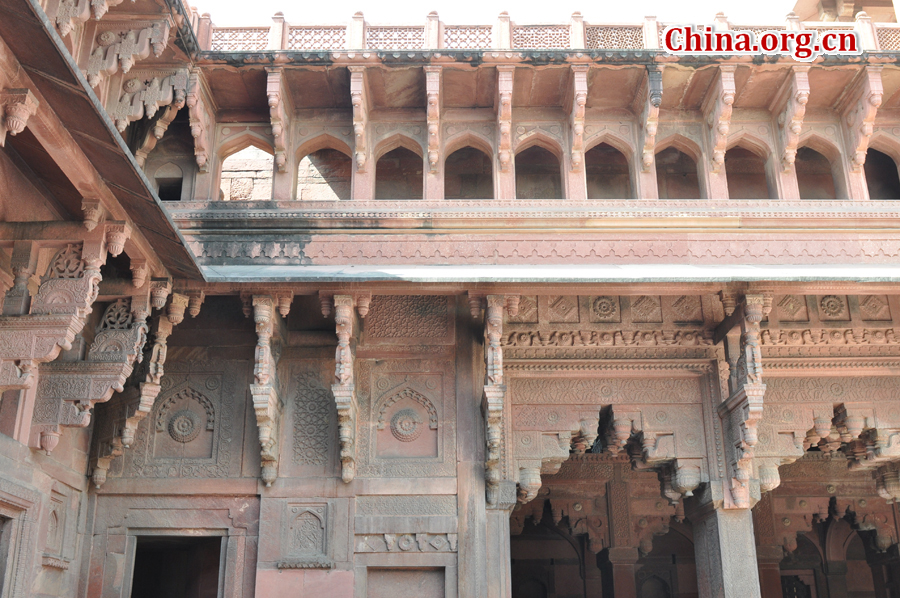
column 646, row 173
column 434, row 172
column 858, row 111
column 498, row 562
column 577, row 187
column 279, row 115
column 623, row 561
column 790, row 108
column 504, row 166
column 363, row 182
column 717, row 108
column 724, row 547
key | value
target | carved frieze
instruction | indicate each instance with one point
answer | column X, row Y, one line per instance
column 360, row 101
column 121, row 47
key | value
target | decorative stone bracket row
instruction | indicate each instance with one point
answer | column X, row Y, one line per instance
column 68, row 14
column 122, row 46
column 34, row 330
column 139, row 399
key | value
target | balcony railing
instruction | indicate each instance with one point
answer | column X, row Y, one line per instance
column 504, row 34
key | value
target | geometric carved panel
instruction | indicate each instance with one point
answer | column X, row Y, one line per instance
column 528, row 310
column 313, row 414
column 398, row 319
column 646, row 308
column 605, row 309
column 874, row 307
column 563, row 308
column 196, row 428
column 790, row 308
column 686, row 308
column 407, row 418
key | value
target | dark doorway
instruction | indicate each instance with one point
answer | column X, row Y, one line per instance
column 814, row 175
column 537, row 174
column 176, row 567
column 676, row 175
column 746, row 174
column 468, row 174
column 398, row 175
column 881, row 176
column 606, row 170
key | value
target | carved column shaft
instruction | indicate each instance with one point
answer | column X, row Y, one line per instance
column 506, row 180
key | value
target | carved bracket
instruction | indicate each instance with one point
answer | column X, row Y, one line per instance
column 344, row 386
column 717, row 109
column 79, row 385
column 794, row 95
column 504, row 115
column 494, row 394
column 576, row 119
column 16, row 107
column 200, row 120
column 264, row 390
column 155, row 134
column 433, row 115
column 121, row 49
column 650, row 117
column 360, row 101
column 859, row 115
column 68, row 14
column 278, row 112
column 142, row 97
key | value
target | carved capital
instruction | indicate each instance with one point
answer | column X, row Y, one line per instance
column 16, row 107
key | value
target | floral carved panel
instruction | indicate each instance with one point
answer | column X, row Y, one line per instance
column 407, row 420
column 196, row 428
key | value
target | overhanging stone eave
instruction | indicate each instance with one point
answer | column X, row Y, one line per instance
column 554, row 274
column 118, row 169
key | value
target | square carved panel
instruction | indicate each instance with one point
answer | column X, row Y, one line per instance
column 407, row 419
column 685, row 308
column 410, row 319
column 790, row 308
column 874, row 308
column 528, row 310
column 311, row 416
column 833, row 308
column 646, row 308
column 196, row 428
column 605, row 309
column 562, row 308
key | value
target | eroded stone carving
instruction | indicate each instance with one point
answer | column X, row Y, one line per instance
column 121, row 49
column 200, row 120
column 650, row 117
column 145, row 96
column 68, row 14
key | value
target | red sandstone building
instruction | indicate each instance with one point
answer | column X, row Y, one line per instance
column 490, row 311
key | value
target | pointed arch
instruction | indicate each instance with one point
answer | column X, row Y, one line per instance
column 751, row 143
column 541, row 139
column 612, row 139
column 882, row 167
column 396, row 140
column 468, row 139
column 832, row 153
column 821, row 144
column 886, row 144
column 323, row 141
column 242, row 141
column 243, row 185
column 682, row 143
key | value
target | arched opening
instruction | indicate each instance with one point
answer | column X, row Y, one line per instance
column 881, row 175
column 668, row 569
column 169, row 179
column 607, row 173
column 746, row 174
column 247, row 175
column 398, row 175
column 676, row 175
column 324, row 175
column 538, row 174
column 814, row 175
column 545, row 559
column 468, row 174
